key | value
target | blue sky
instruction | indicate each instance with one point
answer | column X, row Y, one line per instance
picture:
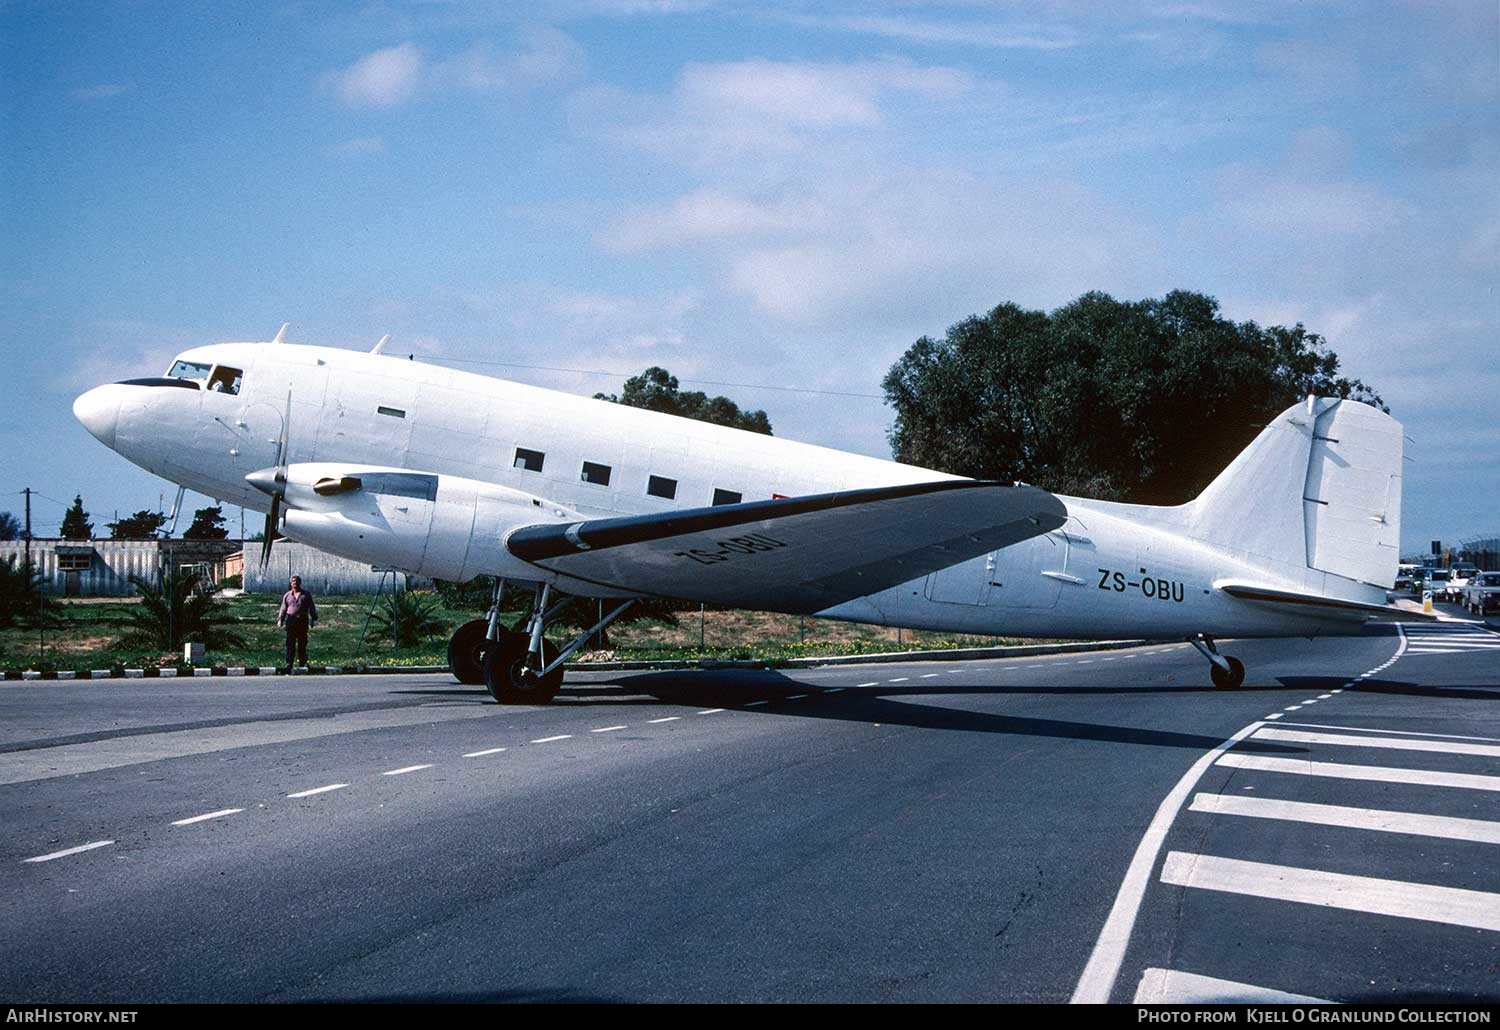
column 761, row 193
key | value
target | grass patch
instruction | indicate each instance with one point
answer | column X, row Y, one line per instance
column 88, row 637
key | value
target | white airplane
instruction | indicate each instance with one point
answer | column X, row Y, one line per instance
column 449, row 474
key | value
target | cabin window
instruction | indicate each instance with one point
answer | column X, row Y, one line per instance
column 393, row 412
column 661, row 486
column 726, row 497
column 225, row 380
column 531, row 461
column 595, row 473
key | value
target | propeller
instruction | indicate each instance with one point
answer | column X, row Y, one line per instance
column 274, row 483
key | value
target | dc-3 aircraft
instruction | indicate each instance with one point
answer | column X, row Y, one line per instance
column 452, row 475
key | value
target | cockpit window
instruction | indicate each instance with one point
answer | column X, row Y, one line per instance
column 225, row 380
column 189, row 370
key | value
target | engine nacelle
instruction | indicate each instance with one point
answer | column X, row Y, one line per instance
column 445, row 527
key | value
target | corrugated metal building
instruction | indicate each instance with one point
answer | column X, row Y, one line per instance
column 321, row 573
column 102, row 568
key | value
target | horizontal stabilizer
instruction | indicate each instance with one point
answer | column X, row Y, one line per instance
column 1316, row 604
column 798, row 554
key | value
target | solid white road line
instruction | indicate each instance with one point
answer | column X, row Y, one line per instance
column 318, row 790
column 1170, row 987
column 1422, row 901
column 1375, row 773
column 1480, row 831
column 1103, row 967
column 71, row 851
column 607, row 729
column 211, row 815
column 1375, row 729
column 548, row 740
column 406, row 769
column 487, row 751
column 1392, row 743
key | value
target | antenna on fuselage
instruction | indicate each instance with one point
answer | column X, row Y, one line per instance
column 281, row 333
column 379, row 348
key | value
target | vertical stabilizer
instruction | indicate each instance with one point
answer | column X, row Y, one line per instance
column 1320, row 488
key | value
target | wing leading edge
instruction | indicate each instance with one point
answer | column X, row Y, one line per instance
column 799, row 554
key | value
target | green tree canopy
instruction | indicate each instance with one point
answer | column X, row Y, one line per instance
column 208, row 524
column 75, row 523
column 143, row 525
column 1142, row 401
column 656, row 389
column 10, row 526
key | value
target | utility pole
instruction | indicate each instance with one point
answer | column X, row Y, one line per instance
column 27, row 535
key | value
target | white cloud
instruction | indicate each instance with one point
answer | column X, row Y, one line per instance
column 395, row 75
column 709, row 215
column 384, row 78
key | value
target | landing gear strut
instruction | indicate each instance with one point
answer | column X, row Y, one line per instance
column 526, row 668
column 472, row 640
column 1227, row 673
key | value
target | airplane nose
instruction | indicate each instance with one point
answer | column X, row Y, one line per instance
column 99, row 411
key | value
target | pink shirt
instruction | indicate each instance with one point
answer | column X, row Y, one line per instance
column 294, row 604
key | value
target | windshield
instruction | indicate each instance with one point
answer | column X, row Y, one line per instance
column 188, row 370
column 1438, row 575
column 1490, row 579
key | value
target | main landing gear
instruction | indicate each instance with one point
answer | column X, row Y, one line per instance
column 1228, row 673
column 518, row 667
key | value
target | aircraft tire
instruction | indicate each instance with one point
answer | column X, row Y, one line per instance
column 1231, row 679
column 466, row 652
column 503, row 676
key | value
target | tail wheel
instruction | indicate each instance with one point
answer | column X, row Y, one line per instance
column 1231, row 679
column 466, row 652
column 510, row 681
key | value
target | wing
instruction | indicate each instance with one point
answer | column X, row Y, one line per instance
column 799, row 554
column 1317, row 605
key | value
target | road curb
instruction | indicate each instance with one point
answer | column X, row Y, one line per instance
column 885, row 657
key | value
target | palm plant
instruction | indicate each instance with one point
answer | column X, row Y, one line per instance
column 20, row 590
column 408, row 617
column 180, row 607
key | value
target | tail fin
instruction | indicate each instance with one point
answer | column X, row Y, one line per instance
column 1319, row 488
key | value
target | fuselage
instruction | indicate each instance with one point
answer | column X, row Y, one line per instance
column 1112, row 570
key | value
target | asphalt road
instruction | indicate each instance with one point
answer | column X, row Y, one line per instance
column 1018, row 830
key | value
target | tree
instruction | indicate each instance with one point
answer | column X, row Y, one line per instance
column 143, row 525
column 208, row 524
column 1143, row 401
column 75, row 523
column 656, row 389
column 181, row 607
column 10, row 526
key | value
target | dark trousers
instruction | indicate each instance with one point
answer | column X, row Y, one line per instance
column 296, row 641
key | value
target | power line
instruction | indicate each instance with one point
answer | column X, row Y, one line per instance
column 627, row 375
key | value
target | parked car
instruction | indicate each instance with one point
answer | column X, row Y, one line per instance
column 1435, row 580
column 1482, row 595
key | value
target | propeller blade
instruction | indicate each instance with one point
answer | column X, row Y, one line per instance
column 272, row 517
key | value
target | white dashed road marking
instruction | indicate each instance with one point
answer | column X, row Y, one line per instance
column 72, row 851
column 607, row 729
column 210, row 815
column 753, row 704
column 548, row 740
column 715, row 711
column 670, row 718
column 1393, row 743
column 318, row 790
column 487, row 751
column 406, row 769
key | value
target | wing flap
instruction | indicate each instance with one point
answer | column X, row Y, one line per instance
column 799, row 554
column 1315, row 604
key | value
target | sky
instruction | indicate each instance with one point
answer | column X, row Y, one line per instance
column 775, row 195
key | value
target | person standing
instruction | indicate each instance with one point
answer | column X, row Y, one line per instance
column 298, row 612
